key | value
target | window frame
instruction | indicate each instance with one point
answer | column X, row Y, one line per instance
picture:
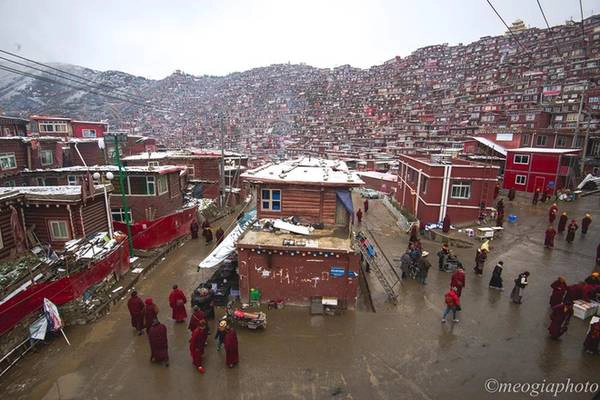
column 150, row 182
column 460, row 185
column 521, row 156
column 44, row 154
column 164, row 179
column 9, row 156
column 270, row 200
column 59, row 222
column 121, row 214
column 537, row 140
column 191, row 170
column 69, row 180
column 42, row 126
column 87, row 133
column 520, row 176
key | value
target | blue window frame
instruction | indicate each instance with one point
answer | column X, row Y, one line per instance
column 271, row 199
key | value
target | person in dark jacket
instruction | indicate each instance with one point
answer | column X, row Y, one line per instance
column 536, row 197
column 194, row 229
column 521, row 283
column 500, row 206
column 585, row 223
column 571, row 231
column 562, row 222
column 208, row 235
column 496, row 280
column 423, row 266
column 592, row 339
column 480, row 258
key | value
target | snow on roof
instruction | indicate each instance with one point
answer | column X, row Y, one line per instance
column 49, row 118
column 161, row 169
column 27, row 139
column 492, row 145
column 160, row 155
column 386, row 176
column 544, row 150
column 49, row 192
column 305, row 170
column 90, row 122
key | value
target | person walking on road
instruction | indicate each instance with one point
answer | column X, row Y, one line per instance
column 359, row 215
column 521, row 283
column 150, row 313
column 552, row 212
column 559, row 320
column 452, row 304
column 585, row 223
column 549, row 237
column 136, row 311
column 592, row 339
column 571, row 231
column 496, row 280
column 230, row 342
column 457, row 280
column 562, row 222
column 366, row 205
column 177, row 302
column 559, row 289
column 423, row 266
column 480, row 258
column 197, row 344
column 536, row 197
column 159, row 345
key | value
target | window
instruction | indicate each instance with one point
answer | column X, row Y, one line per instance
column 558, row 118
column 424, row 181
column 540, row 140
column 191, row 170
column 8, row 161
column 153, row 163
column 10, row 183
column 461, row 189
column 521, row 159
column 142, row 185
column 520, row 179
column 561, row 141
column 52, row 126
column 163, row 187
column 271, row 199
column 119, row 215
column 59, row 230
column 530, row 117
column 525, row 140
column 47, row 157
column 40, row 181
column 72, row 180
column 88, row 133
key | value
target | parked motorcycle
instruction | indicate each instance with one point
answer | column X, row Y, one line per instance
column 250, row 320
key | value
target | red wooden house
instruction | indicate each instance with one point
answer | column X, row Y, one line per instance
column 19, row 153
column 297, row 267
column 528, row 169
column 89, row 129
column 431, row 188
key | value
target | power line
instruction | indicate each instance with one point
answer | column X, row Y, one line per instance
column 549, row 30
column 507, row 27
column 65, row 72
column 23, row 73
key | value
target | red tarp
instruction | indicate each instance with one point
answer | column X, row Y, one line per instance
column 62, row 290
column 152, row 234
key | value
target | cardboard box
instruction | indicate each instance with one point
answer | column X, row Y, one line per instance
column 584, row 309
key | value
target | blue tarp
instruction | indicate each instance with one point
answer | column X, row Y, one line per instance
column 346, row 199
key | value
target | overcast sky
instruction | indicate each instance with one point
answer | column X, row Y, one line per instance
column 154, row 38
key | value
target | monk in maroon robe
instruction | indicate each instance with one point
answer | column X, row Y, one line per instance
column 559, row 289
column 159, row 345
column 197, row 343
column 571, row 231
column 592, row 339
column 511, row 194
column 576, row 292
column 446, row 224
column 177, row 302
column 208, row 235
column 560, row 317
column 562, row 222
column 150, row 313
column 220, row 234
column 194, row 229
column 552, row 212
column 359, row 215
column 366, row 205
column 205, row 227
column 230, row 343
column 549, row 237
column 536, row 197
column 413, row 234
column 458, row 280
column 585, row 223
column 136, row 311
column 197, row 316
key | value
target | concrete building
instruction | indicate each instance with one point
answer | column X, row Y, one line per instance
column 431, row 188
column 320, row 262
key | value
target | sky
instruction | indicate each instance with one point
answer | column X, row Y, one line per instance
column 154, row 38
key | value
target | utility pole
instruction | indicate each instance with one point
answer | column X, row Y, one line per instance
column 126, row 210
column 222, row 164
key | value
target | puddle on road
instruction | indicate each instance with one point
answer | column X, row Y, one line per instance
column 66, row 387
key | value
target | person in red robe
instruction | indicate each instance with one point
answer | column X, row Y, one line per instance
column 208, row 235
column 359, row 215
column 150, row 313
column 136, row 311
column 560, row 317
column 562, row 222
column 559, row 289
column 220, row 234
column 413, row 234
column 511, row 194
column 571, row 231
column 197, row 344
column 366, row 205
column 592, row 339
column 576, row 292
column 500, row 207
column 446, row 224
column 536, row 197
column 585, row 223
column 159, row 345
column 230, row 343
column 177, row 302
column 549, row 237
column 552, row 212
column 194, row 229
column 205, row 227
column 196, row 318
column 458, row 280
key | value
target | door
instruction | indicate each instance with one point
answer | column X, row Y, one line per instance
column 539, row 183
column 341, row 215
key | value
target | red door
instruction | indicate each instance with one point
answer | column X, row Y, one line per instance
column 539, row 183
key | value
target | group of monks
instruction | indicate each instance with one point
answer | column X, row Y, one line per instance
column 561, row 304
column 562, row 225
column 206, row 232
column 144, row 315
